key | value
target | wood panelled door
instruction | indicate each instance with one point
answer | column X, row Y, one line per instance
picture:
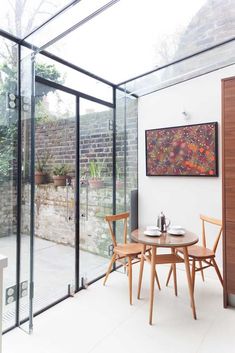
column 228, row 137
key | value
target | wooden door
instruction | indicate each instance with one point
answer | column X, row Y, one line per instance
column 228, row 135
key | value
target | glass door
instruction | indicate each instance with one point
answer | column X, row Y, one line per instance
column 96, row 188
column 55, row 165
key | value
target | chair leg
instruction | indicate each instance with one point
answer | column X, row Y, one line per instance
column 169, row 276
column 109, row 268
column 217, row 271
column 202, row 273
column 157, row 280
column 141, row 270
column 130, row 278
column 193, row 274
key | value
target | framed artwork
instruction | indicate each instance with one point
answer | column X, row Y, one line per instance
column 190, row 150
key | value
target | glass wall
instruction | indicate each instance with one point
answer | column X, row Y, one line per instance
column 126, row 156
column 26, row 190
column 54, row 230
column 96, row 187
column 8, row 173
column 55, row 237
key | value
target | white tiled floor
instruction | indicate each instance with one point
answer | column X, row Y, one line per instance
column 100, row 320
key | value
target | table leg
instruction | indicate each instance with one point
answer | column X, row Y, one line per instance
column 174, row 274
column 141, row 270
column 187, row 267
column 153, row 263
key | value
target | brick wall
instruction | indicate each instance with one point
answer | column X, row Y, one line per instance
column 96, row 141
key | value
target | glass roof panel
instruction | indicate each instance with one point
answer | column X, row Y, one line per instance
column 130, row 37
column 65, row 20
column 198, row 65
column 21, row 17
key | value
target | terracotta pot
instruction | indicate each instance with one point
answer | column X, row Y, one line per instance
column 59, row 180
column 39, row 178
column 96, row 183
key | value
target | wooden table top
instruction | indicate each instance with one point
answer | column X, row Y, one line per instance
column 165, row 240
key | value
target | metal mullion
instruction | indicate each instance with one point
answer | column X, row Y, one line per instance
column 177, row 61
column 19, row 180
column 72, row 91
column 125, row 149
column 32, row 193
column 187, row 79
column 114, row 165
column 77, row 198
column 79, row 24
column 75, row 67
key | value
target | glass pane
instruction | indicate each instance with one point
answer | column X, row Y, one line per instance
column 8, row 175
column 126, row 156
column 66, row 76
column 27, row 204
column 198, row 65
column 21, row 17
column 55, row 151
column 96, row 188
column 148, row 35
column 60, row 24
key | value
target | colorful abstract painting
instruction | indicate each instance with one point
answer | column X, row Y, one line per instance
column 183, row 150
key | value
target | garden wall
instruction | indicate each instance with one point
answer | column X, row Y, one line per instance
column 55, row 220
column 96, row 141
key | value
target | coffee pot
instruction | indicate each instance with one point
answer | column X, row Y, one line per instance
column 163, row 222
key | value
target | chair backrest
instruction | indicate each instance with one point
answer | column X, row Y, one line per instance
column 118, row 217
column 216, row 222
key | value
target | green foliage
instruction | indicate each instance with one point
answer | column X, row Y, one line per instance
column 42, row 161
column 42, row 113
column 8, row 135
column 95, row 169
column 48, row 71
column 61, row 169
column 8, row 77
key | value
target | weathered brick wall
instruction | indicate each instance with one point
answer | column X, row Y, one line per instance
column 96, row 141
column 54, row 216
column 7, row 208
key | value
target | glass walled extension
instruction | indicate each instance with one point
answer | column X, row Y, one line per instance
column 55, row 236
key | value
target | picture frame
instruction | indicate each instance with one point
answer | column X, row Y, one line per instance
column 187, row 150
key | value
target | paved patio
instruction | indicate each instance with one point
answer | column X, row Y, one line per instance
column 53, row 272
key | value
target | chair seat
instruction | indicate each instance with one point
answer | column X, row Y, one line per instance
column 128, row 249
column 197, row 251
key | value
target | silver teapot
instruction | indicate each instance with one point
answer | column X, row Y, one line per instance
column 163, row 222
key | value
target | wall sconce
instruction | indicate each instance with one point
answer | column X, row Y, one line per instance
column 186, row 115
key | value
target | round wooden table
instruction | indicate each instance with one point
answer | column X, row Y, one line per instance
column 165, row 240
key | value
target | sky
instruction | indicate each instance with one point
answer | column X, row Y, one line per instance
column 122, row 41
column 118, row 44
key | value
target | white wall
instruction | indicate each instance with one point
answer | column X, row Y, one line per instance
column 182, row 199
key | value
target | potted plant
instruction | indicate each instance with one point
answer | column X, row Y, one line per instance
column 60, row 174
column 41, row 162
column 95, row 169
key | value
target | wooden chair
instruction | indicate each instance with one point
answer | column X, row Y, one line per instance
column 123, row 251
column 202, row 255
